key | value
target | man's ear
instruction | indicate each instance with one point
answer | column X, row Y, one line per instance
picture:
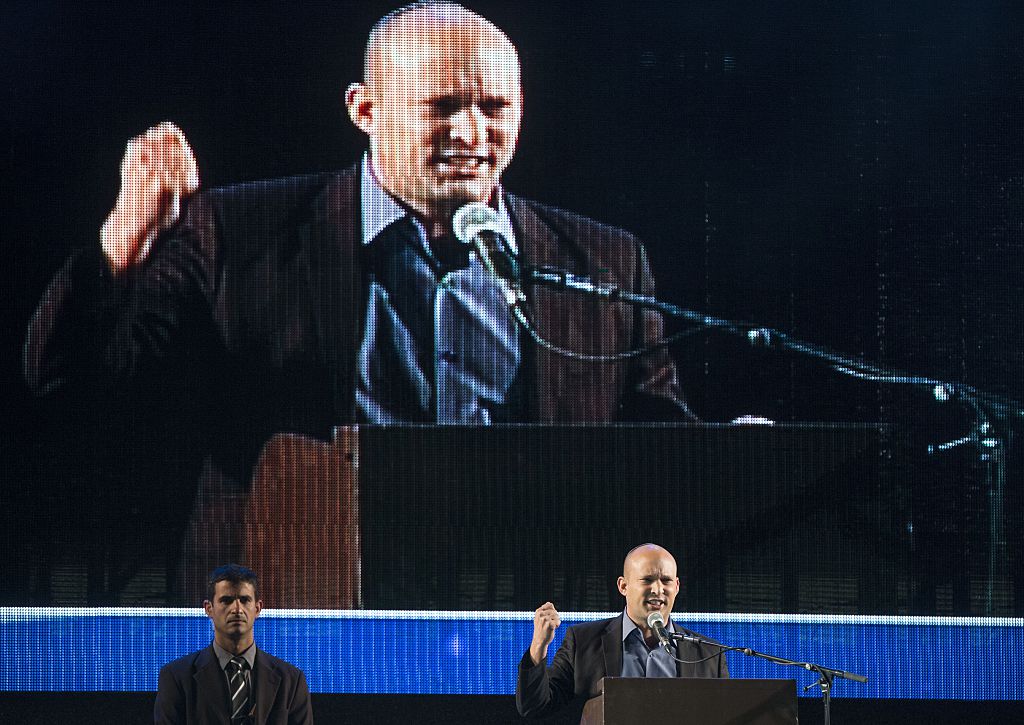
column 259, row 608
column 622, row 585
column 360, row 106
column 208, row 608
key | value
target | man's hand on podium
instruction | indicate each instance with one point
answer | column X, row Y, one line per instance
column 545, row 622
column 157, row 172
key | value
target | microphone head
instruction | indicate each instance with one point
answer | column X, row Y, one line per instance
column 655, row 620
column 471, row 219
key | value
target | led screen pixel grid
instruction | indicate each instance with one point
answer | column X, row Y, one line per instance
column 850, row 176
column 740, row 220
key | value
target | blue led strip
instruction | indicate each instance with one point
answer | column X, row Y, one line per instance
column 478, row 652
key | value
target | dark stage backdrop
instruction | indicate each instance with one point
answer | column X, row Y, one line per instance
column 849, row 173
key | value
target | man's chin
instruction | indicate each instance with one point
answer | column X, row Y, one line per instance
column 456, row 192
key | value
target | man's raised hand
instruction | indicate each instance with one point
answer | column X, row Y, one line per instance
column 545, row 622
column 157, row 172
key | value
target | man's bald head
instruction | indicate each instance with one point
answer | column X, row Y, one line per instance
column 408, row 32
column 643, row 553
column 441, row 103
column 649, row 583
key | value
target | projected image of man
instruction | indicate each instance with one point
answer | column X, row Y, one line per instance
column 230, row 314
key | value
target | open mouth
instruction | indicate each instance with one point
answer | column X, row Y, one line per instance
column 655, row 603
column 462, row 163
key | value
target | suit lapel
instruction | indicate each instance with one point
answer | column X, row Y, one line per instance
column 267, row 683
column 553, row 312
column 331, row 238
column 691, row 652
column 611, row 643
column 680, row 654
column 211, row 688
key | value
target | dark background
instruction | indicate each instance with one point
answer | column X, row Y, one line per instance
column 851, row 173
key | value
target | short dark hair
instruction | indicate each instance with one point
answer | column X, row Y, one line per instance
column 234, row 573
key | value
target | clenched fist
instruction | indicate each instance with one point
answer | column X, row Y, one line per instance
column 157, row 172
column 545, row 622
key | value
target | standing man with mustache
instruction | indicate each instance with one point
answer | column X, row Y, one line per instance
column 304, row 303
column 232, row 680
column 623, row 646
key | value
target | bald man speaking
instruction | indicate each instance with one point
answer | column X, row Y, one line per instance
column 303, row 303
column 623, row 646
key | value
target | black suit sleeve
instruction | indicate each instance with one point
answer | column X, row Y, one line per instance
column 543, row 690
column 300, row 710
column 723, row 666
column 654, row 393
column 170, row 700
column 94, row 330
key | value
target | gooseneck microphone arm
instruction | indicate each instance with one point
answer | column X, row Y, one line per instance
column 560, row 279
column 757, row 334
column 826, row 675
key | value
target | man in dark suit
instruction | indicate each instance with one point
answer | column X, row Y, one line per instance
column 623, row 646
column 225, row 316
column 232, row 681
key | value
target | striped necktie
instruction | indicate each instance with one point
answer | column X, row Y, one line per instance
column 241, row 689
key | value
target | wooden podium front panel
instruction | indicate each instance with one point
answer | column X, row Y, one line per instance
column 303, row 511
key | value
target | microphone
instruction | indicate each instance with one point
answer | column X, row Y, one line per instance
column 657, row 622
column 478, row 225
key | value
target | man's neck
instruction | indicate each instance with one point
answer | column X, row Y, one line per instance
column 435, row 228
column 235, row 647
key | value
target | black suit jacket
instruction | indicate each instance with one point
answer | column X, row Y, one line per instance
column 589, row 652
column 246, row 320
column 192, row 690
column 265, row 281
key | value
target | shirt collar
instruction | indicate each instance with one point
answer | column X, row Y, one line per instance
column 628, row 625
column 379, row 209
column 223, row 656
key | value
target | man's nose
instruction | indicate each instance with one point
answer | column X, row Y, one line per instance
column 468, row 126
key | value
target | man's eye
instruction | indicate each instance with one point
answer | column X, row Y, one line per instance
column 494, row 106
column 445, row 106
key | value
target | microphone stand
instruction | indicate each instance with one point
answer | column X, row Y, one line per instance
column 826, row 675
column 990, row 443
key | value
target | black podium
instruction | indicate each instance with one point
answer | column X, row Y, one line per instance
column 692, row 701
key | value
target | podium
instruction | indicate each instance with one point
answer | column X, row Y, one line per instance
column 692, row 701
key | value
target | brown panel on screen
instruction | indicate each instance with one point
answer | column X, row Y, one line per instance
column 304, row 510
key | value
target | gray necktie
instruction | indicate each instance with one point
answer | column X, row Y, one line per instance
column 241, row 689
